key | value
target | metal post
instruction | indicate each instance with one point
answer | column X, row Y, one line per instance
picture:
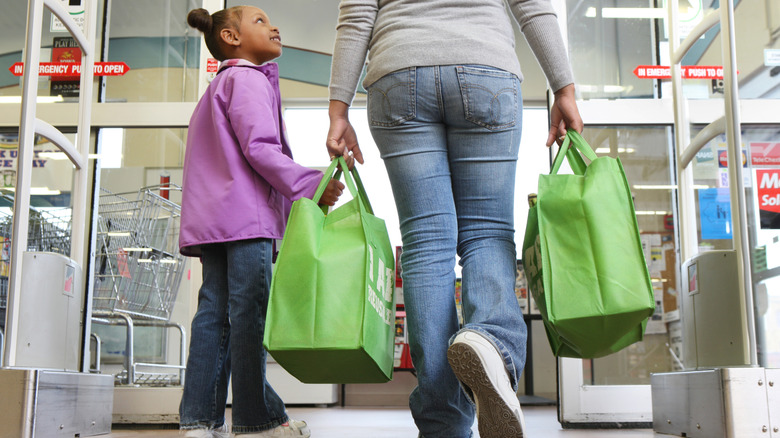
column 736, row 182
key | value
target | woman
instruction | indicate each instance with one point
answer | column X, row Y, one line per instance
column 445, row 108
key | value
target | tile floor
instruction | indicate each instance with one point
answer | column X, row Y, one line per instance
column 351, row 422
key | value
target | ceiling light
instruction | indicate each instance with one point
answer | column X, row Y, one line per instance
column 39, row 99
column 620, row 150
column 652, row 213
column 627, row 12
column 665, row 186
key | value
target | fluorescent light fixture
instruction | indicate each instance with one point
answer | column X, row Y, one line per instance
column 620, row 150
column 118, row 234
column 39, row 99
column 665, row 186
column 586, row 88
column 136, row 249
column 652, row 213
column 163, row 261
column 61, row 156
column 615, row 88
column 627, row 12
column 43, row 191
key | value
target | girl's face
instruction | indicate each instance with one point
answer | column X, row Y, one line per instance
column 260, row 42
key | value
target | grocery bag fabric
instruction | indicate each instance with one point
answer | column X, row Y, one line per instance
column 331, row 317
column 583, row 256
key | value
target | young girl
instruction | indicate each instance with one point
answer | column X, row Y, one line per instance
column 239, row 182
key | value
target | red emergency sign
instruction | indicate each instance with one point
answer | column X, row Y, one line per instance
column 73, row 69
column 688, row 72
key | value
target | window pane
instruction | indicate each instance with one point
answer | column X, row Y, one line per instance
column 605, row 49
column 152, row 37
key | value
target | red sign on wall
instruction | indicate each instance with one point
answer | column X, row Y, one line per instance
column 688, row 72
column 70, row 69
column 212, row 65
column 768, row 181
column 765, row 153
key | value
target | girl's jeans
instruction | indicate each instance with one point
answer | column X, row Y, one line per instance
column 449, row 138
column 228, row 329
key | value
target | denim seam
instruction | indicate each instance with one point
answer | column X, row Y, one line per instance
column 220, row 364
column 410, row 107
column 465, row 87
column 262, row 428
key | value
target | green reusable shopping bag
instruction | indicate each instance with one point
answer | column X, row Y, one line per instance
column 583, row 257
column 331, row 317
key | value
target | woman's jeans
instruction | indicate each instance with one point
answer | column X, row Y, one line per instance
column 449, row 138
column 228, row 329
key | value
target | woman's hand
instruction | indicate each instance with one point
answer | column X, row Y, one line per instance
column 342, row 140
column 564, row 115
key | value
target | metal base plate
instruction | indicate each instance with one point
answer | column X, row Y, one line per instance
column 50, row 404
column 717, row 403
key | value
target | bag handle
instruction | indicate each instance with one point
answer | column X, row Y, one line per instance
column 356, row 189
column 573, row 154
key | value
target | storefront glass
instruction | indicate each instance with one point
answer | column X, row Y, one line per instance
column 613, row 45
column 152, row 38
column 138, row 269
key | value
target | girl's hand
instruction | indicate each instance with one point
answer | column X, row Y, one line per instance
column 342, row 140
column 332, row 192
column 564, row 115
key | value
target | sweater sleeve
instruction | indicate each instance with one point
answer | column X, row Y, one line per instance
column 353, row 34
column 539, row 25
column 253, row 116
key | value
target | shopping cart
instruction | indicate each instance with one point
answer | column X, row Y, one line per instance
column 138, row 265
column 138, row 270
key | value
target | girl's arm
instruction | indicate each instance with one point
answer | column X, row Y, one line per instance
column 254, row 118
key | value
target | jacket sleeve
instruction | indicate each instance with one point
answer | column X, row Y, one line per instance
column 256, row 122
column 353, row 33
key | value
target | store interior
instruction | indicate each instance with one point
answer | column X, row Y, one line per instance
column 138, row 137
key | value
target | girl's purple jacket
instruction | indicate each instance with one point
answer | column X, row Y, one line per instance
column 239, row 175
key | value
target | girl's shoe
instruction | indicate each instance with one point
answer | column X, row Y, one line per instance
column 292, row 428
column 219, row 432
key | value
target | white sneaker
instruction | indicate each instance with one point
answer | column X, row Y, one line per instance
column 479, row 367
column 292, row 428
column 220, row 432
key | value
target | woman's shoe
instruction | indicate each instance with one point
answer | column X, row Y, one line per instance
column 480, row 368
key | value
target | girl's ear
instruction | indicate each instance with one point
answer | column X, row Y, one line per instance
column 230, row 36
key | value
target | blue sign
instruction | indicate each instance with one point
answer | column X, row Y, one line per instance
column 715, row 213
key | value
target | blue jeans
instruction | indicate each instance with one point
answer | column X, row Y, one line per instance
column 449, row 137
column 228, row 330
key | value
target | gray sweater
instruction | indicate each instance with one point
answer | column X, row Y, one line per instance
column 398, row 34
